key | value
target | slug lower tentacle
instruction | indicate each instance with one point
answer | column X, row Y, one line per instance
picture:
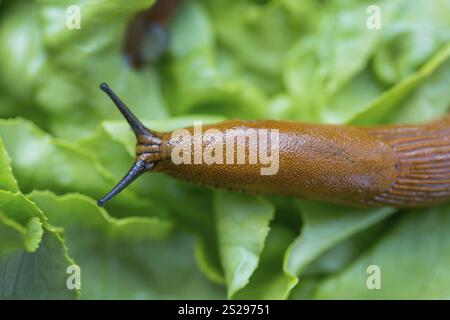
column 401, row 166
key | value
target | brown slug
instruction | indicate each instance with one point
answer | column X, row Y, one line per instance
column 147, row 37
column 392, row 165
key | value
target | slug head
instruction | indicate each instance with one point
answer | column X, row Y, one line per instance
column 147, row 150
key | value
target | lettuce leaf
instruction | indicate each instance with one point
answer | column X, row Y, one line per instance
column 415, row 233
column 242, row 228
column 33, row 255
column 136, row 255
column 63, row 144
column 41, row 161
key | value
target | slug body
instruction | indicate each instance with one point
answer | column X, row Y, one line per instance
column 339, row 164
column 147, row 37
column 401, row 166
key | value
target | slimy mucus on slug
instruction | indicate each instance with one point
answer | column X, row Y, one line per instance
column 400, row 166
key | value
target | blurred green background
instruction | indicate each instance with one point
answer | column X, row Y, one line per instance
column 63, row 145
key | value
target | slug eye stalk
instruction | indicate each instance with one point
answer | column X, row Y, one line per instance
column 135, row 171
column 138, row 128
column 142, row 135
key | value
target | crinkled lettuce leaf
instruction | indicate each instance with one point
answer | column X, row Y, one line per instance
column 139, row 258
column 324, row 226
column 41, row 161
column 242, row 226
column 416, row 242
column 166, row 239
column 33, row 255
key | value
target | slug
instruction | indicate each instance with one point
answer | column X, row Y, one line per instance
column 147, row 38
column 392, row 165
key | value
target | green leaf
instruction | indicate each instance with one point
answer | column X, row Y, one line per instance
column 44, row 57
column 195, row 215
column 282, row 59
column 38, row 275
column 412, row 257
column 319, row 65
column 97, row 17
column 428, row 102
column 17, row 207
column 7, row 179
column 14, row 236
column 43, row 162
column 33, row 257
column 39, row 161
column 305, row 289
column 242, row 224
column 200, row 81
column 324, row 227
column 343, row 252
column 22, row 57
column 380, row 108
column 137, row 257
column 270, row 280
column 352, row 98
column 399, row 55
column 246, row 28
column 191, row 18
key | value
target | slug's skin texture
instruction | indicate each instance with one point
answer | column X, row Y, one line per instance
column 333, row 163
column 400, row 166
column 423, row 164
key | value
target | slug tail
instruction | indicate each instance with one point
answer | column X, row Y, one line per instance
column 423, row 164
